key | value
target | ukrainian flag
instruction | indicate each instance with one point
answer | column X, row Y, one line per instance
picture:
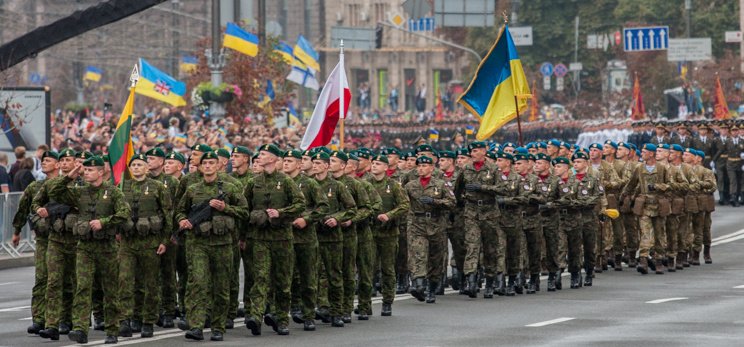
column 294, row 119
column 93, row 73
column 304, row 51
column 240, row 40
column 285, row 50
column 270, row 95
column 188, row 63
column 158, row 85
column 433, row 134
column 499, row 87
column 469, row 130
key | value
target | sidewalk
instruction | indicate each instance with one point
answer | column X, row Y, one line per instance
column 8, row 262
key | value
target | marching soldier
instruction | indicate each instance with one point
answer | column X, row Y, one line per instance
column 274, row 202
column 589, row 191
column 174, row 163
column 509, row 198
column 41, row 228
column 143, row 238
column 240, row 159
column 609, row 180
column 305, row 239
column 208, row 246
column 366, row 263
column 691, row 207
column 546, row 186
column 701, row 222
column 452, row 232
column 629, row 220
column 569, row 211
column 102, row 208
column 733, row 149
column 720, row 160
column 531, row 227
column 610, row 150
column 61, row 280
column 430, row 198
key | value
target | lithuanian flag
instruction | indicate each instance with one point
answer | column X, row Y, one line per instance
column 121, row 148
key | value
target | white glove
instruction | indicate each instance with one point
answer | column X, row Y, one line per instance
column 713, row 166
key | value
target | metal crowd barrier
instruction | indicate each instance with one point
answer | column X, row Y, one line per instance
column 8, row 207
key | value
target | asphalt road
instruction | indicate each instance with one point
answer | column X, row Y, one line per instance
column 698, row 306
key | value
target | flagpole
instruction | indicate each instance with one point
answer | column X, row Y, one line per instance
column 519, row 122
column 341, row 112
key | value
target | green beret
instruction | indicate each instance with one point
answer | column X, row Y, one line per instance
column 504, row 155
column 390, row 151
column 176, row 156
column 294, row 153
column 447, row 154
column 364, row 154
column 325, row 150
column 492, row 155
column 106, row 158
column 207, row 155
column 405, row 155
column 464, row 151
column 322, row 156
column 509, row 144
column 138, row 157
column 242, row 150
column 521, row 156
column 353, row 156
column 424, row 160
column 340, row 155
column 561, row 160
column 477, row 144
column 542, row 156
column 580, row 155
column 155, row 152
column 531, row 157
column 271, row 148
column 50, row 154
column 223, row 153
column 84, row 155
column 200, row 147
column 424, row 148
column 254, row 157
column 308, row 153
column 93, row 161
column 382, row 158
column 67, row 152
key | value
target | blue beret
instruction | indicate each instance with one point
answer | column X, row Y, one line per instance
column 638, row 152
column 509, row 144
column 554, row 142
column 531, row 145
column 649, row 147
column 521, row 150
column 626, row 145
column 565, row 145
column 677, row 148
column 596, row 146
column 611, row 143
column 664, row 146
column 541, row 145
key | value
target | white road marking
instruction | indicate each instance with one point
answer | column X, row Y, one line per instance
column 727, row 240
column 739, row 287
column 7, row 283
column 660, row 301
column 14, row 309
column 736, row 233
column 549, row 322
column 27, row 318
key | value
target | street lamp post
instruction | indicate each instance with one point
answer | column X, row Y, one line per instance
column 216, row 60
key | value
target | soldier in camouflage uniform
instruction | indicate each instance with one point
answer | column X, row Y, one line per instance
column 173, row 167
column 510, row 197
column 330, row 237
column 143, row 239
column 385, row 229
column 474, row 189
column 648, row 184
column 274, row 202
column 41, row 228
column 589, row 192
column 102, row 210
column 305, row 240
column 430, row 198
column 241, row 159
column 701, row 222
column 531, row 227
column 609, row 150
column 547, row 187
column 61, row 281
column 209, row 247
column 608, row 178
column 167, row 276
column 630, row 221
column 566, row 202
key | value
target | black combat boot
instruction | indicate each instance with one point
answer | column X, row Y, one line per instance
column 611, row 260
column 534, row 283
column 124, row 329
column 618, row 262
column 418, row 291
column 431, row 295
column 217, row 336
column 65, row 328
column 559, row 280
column 98, row 323
column 472, row 290
column 442, row 284
column 387, row 310
column 500, row 289
column 136, row 325
column 35, row 327
column 400, row 288
column 168, row 321
column 551, row 281
column 706, row 255
column 575, row 280
column 110, row 340
column 271, row 321
column 659, row 267
column 643, row 265
column 632, row 258
column 488, row 294
column 147, row 331
column 195, row 334
column 589, row 277
column 681, row 260
column 253, row 325
column 510, row 286
column 519, row 284
column 695, row 258
column 671, row 264
column 78, row 336
column 282, row 329
column 337, row 321
column 50, row 333
column 308, row 325
column 455, row 282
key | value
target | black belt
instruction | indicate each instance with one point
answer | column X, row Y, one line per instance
column 504, row 207
column 427, row 214
column 482, row 202
column 569, row 210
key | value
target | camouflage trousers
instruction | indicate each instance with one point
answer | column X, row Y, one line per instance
column 653, row 236
column 549, row 224
column 232, row 307
column 38, row 293
column 511, row 224
column 456, row 235
column 570, row 227
column 673, row 226
column 683, row 232
column 167, row 280
column 386, row 247
column 618, row 235
column 208, row 287
column 365, row 267
column 305, row 279
column 532, row 235
column 587, row 237
column 139, row 266
column 182, row 273
column 61, row 282
column 247, row 256
column 273, row 262
column 331, row 281
column 401, row 258
column 632, row 235
column 426, row 241
column 700, row 235
column 482, row 231
column 92, row 257
column 348, row 269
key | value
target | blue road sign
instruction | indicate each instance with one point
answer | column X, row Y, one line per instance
column 546, row 69
column 561, row 70
column 646, row 39
column 421, row 24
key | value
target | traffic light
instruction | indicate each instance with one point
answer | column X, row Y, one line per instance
column 378, row 36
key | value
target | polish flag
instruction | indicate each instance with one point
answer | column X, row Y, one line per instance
column 325, row 116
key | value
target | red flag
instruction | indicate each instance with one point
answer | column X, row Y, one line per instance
column 720, row 107
column 639, row 110
column 325, row 115
column 439, row 116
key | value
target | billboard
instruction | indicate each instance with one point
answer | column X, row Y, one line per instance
column 24, row 118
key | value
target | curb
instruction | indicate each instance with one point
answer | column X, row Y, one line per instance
column 22, row 261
